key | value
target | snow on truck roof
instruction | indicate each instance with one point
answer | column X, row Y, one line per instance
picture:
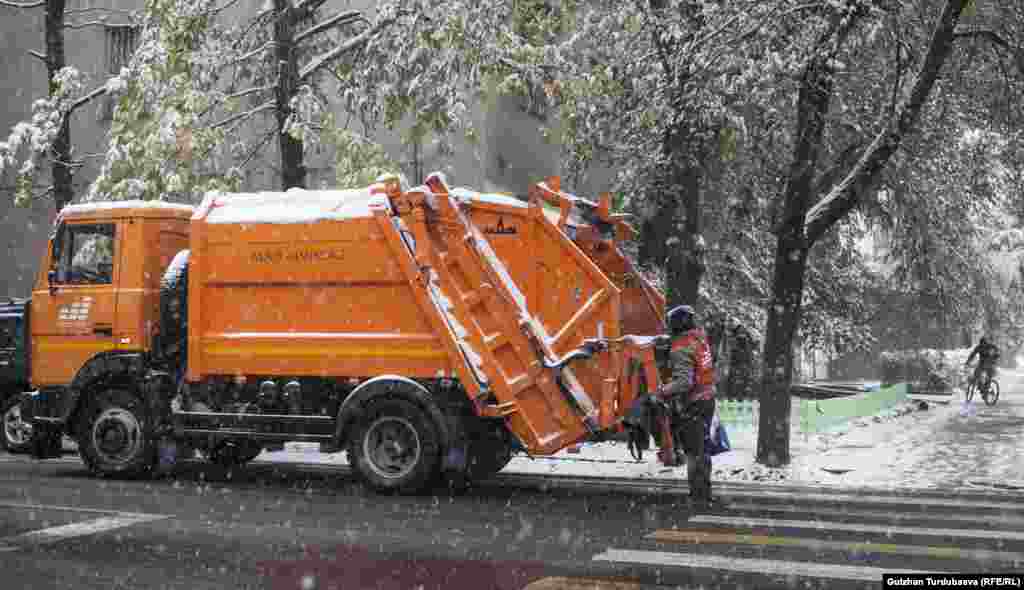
column 465, row 194
column 292, row 206
column 113, row 206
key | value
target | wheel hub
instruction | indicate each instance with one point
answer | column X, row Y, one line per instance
column 117, row 435
column 17, row 430
column 392, row 447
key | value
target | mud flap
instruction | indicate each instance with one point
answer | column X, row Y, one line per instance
column 47, row 440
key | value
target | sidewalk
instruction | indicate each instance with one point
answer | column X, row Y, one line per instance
column 905, row 447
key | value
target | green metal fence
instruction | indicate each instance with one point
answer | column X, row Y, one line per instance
column 813, row 416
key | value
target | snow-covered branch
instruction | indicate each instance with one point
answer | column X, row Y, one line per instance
column 1017, row 53
column 87, row 98
column 253, row 53
column 845, row 195
column 337, row 20
column 82, row 25
column 263, row 107
column 352, row 44
column 306, row 8
column 37, row 54
column 248, row 91
column 11, row 4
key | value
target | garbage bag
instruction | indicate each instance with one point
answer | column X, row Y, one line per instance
column 716, row 438
column 968, row 409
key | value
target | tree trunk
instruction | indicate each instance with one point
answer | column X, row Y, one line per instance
column 63, row 192
column 684, row 248
column 293, row 171
column 802, row 226
column 742, row 378
column 790, row 263
column 777, row 367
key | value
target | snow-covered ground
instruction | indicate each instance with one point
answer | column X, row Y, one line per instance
column 906, row 447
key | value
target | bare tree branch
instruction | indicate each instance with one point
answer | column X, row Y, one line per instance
column 263, row 107
column 352, row 44
column 337, row 20
column 37, row 54
column 11, row 4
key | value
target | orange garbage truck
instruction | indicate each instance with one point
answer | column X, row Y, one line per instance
column 426, row 331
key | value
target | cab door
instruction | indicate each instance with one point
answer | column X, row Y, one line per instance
column 74, row 306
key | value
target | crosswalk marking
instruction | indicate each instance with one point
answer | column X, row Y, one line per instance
column 585, row 583
column 1002, row 519
column 748, row 565
column 820, row 525
column 804, row 497
column 718, row 537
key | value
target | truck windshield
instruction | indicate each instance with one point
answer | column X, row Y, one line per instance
column 85, row 254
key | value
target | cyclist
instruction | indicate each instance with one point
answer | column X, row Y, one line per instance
column 987, row 353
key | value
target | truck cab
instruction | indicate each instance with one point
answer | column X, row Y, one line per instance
column 97, row 294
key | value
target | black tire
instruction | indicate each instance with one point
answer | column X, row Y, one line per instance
column 115, row 435
column 992, row 396
column 396, row 447
column 16, row 436
column 488, row 456
column 173, row 342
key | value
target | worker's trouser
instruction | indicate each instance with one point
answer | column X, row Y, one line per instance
column 696, row 419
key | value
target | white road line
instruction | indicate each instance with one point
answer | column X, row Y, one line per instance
column 1002, row 519
column 77, row 529
column 819, row 525
column 963, row 503
column 76, row 509
column 748, row 565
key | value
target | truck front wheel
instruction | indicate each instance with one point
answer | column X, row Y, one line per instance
column 114, row 436
column 396, row 447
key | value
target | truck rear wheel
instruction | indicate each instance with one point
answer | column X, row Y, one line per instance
column 114, row 437
column 396, row 447
column 488, row 456
column 174, row 309
column 17, row 430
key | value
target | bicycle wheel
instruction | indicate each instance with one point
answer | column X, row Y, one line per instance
column 970, row 391
column 991, row 396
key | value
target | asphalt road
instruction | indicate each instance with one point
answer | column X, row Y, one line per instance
column 300, row 527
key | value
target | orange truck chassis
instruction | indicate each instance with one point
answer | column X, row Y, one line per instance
column 426, row 331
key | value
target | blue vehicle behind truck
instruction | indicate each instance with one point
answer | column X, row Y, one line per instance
column 14, row 374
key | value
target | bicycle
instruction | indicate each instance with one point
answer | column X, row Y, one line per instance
column 989, row 388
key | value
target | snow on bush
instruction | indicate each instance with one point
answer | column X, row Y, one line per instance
column 929, row 369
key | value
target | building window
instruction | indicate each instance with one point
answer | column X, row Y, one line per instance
column 122, row 40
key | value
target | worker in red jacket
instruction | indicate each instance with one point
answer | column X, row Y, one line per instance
column 691, row 396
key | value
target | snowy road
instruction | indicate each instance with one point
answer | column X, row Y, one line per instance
column 975, row 450
column 292, row 526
